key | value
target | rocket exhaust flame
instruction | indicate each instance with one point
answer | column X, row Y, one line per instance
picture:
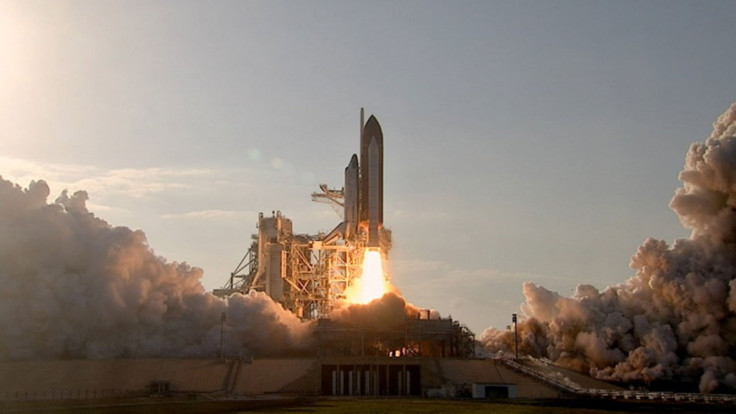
column 372, row 283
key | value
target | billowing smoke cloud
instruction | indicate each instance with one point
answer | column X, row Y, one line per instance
column 676, row 318
column 72, row 286
column 386, row 313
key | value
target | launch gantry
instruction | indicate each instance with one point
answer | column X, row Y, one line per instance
column 309, row 274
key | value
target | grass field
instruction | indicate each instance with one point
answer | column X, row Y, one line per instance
column 361, row 406
column 404, row 406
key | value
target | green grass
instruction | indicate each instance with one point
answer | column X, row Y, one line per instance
column 404, row 406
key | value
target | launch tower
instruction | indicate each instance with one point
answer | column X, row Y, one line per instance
column 308, row 274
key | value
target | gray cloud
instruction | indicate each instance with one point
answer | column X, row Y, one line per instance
column 676, row 318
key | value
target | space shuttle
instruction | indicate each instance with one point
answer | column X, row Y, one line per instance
column 363, row 190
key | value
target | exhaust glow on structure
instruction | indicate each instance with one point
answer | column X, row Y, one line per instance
column 372, row 283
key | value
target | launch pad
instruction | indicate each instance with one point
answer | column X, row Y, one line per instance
column 409, row 353
column 310, row 274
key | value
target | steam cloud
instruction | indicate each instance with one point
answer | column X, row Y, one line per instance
column 676, row 318
column 72, row 286
column 387, row 312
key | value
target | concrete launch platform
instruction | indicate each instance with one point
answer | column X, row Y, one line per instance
column 437, row 377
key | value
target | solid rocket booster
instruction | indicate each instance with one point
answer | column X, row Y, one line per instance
column 371, row 179
column 351, row 204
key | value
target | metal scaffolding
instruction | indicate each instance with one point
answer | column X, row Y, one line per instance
column 307, row 274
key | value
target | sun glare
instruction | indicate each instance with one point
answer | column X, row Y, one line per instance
column 372, row 283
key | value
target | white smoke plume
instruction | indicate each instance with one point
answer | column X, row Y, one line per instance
column 72, row 286
column 676, row 318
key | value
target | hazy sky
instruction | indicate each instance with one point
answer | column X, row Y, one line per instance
column 524, row 141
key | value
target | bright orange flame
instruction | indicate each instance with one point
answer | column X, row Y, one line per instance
column 372, row 284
